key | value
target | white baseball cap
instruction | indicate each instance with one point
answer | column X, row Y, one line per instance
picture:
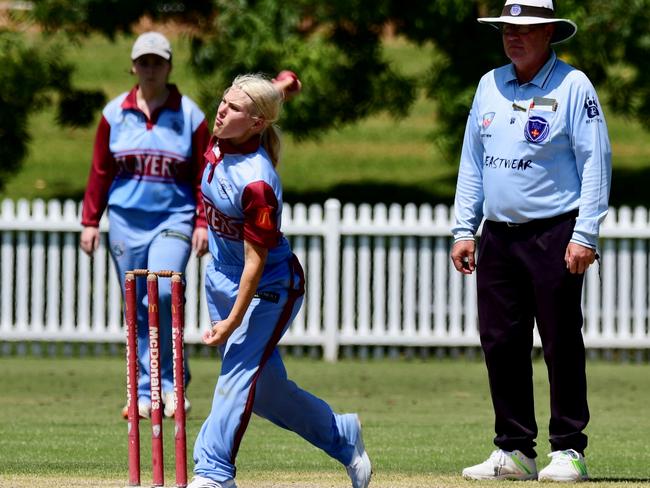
column 151, row 43
column 530, row 12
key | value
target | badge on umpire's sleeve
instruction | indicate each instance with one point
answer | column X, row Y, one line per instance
column 591, row 106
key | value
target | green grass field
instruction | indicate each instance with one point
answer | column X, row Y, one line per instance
column 423, row 422
column 378, row 159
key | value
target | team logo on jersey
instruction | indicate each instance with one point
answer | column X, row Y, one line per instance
column 487, row 119
column 536, row 129
column 263, row 220
column 515, row 10
column 224, row 188
column 177, row 125
column 591, row 106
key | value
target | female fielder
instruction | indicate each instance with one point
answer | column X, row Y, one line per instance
column 147, row 166
column 255, row 288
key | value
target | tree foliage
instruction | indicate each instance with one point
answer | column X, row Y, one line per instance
column 335, row 46
column 31, row 76
column 80, row 17
column 612, row 47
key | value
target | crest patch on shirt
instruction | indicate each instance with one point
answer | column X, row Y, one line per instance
column 263, row 219
column 177, row 125
column 487, row 119
column 224, row 188
column 591, row 106
column 536, row 129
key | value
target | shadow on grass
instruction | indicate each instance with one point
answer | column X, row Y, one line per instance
column 62, row 192
column 614, row 479
column 630, row 187
column 373, row 193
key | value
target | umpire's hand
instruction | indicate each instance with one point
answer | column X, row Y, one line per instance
column 578, row 258
column 462, row 255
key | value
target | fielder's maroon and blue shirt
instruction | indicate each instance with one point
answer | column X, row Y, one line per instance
column 148, row 164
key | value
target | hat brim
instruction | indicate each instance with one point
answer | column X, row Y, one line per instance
column 166, row 55
column 564, row 29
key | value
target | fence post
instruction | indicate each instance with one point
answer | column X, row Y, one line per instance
column 332, row 242
column 7, row 277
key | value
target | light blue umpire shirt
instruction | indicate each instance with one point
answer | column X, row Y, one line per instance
column 534, row 151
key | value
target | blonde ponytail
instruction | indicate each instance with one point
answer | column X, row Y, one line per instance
column 267, row 102
column 272, row 143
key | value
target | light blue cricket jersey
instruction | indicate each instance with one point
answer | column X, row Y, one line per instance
column 242, row 195
column 534, row 151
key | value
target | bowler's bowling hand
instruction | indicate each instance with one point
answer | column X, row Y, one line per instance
column 287, row 83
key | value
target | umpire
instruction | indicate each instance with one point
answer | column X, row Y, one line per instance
column 536, row 164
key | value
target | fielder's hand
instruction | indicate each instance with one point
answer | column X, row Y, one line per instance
column 89, row 241
column 200, row 241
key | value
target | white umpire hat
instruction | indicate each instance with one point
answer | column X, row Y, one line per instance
column 530, row 12
column 151, row 43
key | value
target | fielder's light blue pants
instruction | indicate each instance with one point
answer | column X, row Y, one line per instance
column 253, row 377
column 150, row 246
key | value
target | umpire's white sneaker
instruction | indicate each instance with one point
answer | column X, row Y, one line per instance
column 566, row 465
column 201, row 482
column 360, row 469
column 503, row 465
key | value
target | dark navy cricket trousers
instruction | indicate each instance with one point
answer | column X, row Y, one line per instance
column 522, row 279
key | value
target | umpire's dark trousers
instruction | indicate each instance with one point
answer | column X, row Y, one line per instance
column 522, row 277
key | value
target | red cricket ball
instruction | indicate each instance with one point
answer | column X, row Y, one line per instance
column 288, row 74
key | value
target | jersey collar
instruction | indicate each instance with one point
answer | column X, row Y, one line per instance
column 217, row 148
column 541, row 78
column 173, row 102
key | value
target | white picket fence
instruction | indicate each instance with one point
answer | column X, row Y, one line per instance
column 376, row 276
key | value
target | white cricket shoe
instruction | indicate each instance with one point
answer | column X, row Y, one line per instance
column 567, row 465
column 169, row 400
column 360, row 469
column 201, row 482
column 503, row 465
column 144, row 409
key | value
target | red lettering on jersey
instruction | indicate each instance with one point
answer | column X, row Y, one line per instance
column 221, row 223
column 153, row 168
column 165, row 168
